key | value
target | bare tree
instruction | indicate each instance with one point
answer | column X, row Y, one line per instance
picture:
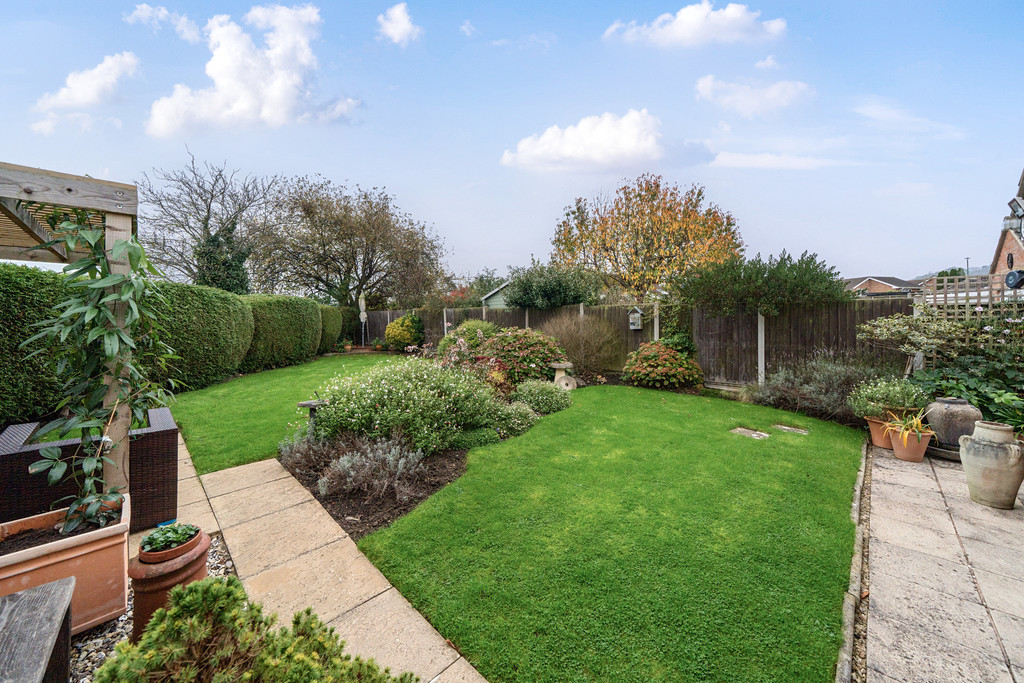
column 181, row 209
column 338, row 244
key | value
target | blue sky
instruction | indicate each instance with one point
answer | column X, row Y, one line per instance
column 884, row 136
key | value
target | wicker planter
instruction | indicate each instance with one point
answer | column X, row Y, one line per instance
column 97, row 559
column 154, row 574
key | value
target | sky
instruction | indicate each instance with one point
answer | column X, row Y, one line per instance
column 883, row 136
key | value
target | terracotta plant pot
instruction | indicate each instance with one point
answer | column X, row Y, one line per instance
column 914, row 449
column 97, row 559
column 878, row 435
column 993, row 463
column 155, row 573
column 348, row 347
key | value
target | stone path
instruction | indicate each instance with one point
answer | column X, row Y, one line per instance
column 947, row 578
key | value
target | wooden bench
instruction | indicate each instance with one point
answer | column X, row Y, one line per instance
column 35, row 633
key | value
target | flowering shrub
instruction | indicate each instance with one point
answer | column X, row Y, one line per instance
column 471, row 332
column 404, row 332
column 527, row 354
column 877, row 397
column 429, row 404
column 543, row 397
column 911, row 334
column 656, row 365
column 513, row 419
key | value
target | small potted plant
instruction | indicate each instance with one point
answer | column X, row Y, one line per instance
column 171, row 556
column 875, row 399
column 910, row 435
column 378, row 344
column 346, row 344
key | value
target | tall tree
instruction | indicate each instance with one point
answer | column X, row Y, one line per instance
column 648, row 233
column 220, row 261
column 184, row 208
column 337, row 244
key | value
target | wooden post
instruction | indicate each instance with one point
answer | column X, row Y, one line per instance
column 657, row 322
column 444, row 322
column 581, row 309
column 483, row 311
column 527, row 317
column 115, row 473
column 760, row 349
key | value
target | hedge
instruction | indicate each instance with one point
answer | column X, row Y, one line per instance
column 351, row 328
column 331, row 331
column 286, row 330
column 210, row 331
column 28, row 388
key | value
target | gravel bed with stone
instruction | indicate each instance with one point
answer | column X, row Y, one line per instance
column 90, row 648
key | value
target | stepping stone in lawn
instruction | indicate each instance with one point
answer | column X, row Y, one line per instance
column 794, row 430
column 743, row 431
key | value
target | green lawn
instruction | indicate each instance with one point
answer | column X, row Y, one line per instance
column 243, row 420
column 633, row 538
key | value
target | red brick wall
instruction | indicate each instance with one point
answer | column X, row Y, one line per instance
column 1011, row 245
column 876, row 287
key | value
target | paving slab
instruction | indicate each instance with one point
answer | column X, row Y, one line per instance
column 951, row 577
column 900, row 653
column 915, row 537
column 876, row 677
column 459, row 672
column 334, row 579
column 265, row 542
column 241, row 506
column 908, row 495
column 186, row 470
column 962, row 506
column 1002, row 592
column 994, row 558
column 389, row 630
column 921, row 480
column 921, row 516
column 1011, row 631
column 190, row 491
column 1003, row 535
column 200, row 514
column 244, row 476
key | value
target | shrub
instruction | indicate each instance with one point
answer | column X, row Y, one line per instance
column 877, row 397
column 351, row 327
column 472, row 332
column 513, row 419
column 681, row 341
column 210, row 331
column 406, row 331
column 307, row 455
column 286, row 331
column 374, row 468
column 29, row 389
column 527, row 354
column 656, row 365
column 821, row 386
column 543, row 287
column 591, row 344
column 483, row 436
column 992, row 379
column 330, row 317
column 543, row 397
column 210, row 631
column 427, row 403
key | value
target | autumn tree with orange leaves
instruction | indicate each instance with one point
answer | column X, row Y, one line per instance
column 647, row 234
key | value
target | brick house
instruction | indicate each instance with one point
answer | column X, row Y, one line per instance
column 1010, row 247
column 876, row 285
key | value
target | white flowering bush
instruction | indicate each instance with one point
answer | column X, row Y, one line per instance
column 543, row 397
column 513, row 419
column 877, row 397
column 428, row 404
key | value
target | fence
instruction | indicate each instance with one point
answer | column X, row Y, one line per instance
column 958, row 298
column 740, row 349
column 434, row 322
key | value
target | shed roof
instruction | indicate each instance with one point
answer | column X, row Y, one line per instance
column 494, row 291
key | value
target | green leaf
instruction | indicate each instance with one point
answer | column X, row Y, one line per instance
column 56, row 472
column 39, row 466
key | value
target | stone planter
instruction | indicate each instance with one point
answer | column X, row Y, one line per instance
column 951, row 418
column 154, row 574
column 993, row 464
column 97, row 559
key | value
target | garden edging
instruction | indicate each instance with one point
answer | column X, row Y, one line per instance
column 851, row 599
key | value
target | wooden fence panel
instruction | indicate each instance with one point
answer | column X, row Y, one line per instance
column 726, row 347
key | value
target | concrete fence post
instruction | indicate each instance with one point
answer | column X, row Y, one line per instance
column 527, row 310
column 444, row 322
column 760, row 349
column 657, row 322
column 581, row 309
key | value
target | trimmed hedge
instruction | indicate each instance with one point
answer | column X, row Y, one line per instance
column 209, row 329
column 28, row 388
column 350, row 325
column 286, row 330
column 330, row 316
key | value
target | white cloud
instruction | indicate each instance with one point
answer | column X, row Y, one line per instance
column 772, row 161
column 897, row 119
column 155, row 16
column 468, row 29
column 396, row 25
column 700, row 24
column 767, row 63
column 747, row 100
column 268, row 85
column 90, row 87
column 605, row 141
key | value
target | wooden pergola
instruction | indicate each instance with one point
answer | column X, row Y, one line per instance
column 27, row 196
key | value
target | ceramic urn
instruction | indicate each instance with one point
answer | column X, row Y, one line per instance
column 993, row 464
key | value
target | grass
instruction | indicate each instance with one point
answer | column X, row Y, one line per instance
column 243, row 420
column 633, row 538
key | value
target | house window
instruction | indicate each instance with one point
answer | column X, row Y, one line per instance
column 1009, row 261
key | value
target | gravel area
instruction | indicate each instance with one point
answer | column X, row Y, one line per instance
column 859, row 674
column 90, row 648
